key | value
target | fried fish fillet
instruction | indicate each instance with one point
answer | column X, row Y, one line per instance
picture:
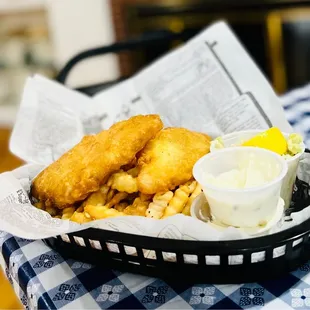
column 86, row 166
column 167, row 160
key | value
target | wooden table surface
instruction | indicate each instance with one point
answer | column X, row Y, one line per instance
column 8, row 300
column 7, row 160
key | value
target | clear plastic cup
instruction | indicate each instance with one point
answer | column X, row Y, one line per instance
column 200, row 210
column 237, row 138
column 242, row 207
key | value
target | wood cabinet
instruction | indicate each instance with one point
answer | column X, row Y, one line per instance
column 275, row 32
column 7, row 160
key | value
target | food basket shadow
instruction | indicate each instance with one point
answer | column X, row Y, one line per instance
column 239, row 261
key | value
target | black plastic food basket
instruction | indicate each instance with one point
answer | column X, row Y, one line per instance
column 210, row 261
column 195, row 261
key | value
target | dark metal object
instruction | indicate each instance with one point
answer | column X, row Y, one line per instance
column 148, row 40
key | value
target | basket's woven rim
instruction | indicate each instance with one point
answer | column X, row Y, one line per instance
column 279, row 238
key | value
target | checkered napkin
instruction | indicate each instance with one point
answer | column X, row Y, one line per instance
column 43, row 280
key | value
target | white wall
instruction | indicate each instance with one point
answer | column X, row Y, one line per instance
column 76, row 25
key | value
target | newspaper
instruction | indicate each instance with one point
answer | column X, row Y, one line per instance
column 210, row 84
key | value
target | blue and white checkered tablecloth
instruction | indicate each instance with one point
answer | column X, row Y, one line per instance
column 44, row 280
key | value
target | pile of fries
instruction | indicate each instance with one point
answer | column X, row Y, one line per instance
column 119, row 196
column 136, row 167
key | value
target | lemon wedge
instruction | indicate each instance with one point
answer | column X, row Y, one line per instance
column 271, row 139
column 294, row 143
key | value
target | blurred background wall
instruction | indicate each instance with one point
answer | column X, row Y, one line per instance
column 40, row 36
column 76, row 25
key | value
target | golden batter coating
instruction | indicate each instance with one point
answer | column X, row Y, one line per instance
column 88, row 165
column 167, row 160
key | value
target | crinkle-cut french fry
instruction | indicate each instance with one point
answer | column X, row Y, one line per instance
column 157, row 207
column 123, row 182
column 87, row 215
column 39, row 205
column 116, row 199
column 110, row 194
column 67, row 213
column 57, row 217
column 80, row 209
column 179, row 199
column 111, row 178
column 137, row 208
column 145, row 197
column 102, row 212
column 66, row 216
column 197, row 191
column 52, row 211
column 95, row 199
column 48, row 203
column 79, row 217
column 131, row 197
column 131, row 165
column 104, row 189
column 68, row 210
column 133, row 172
column 98, row 198
column 121, row 206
